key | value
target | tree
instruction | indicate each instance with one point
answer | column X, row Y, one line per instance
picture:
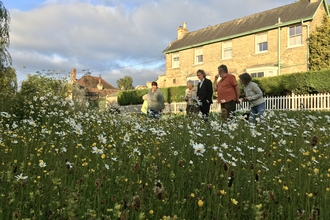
column 8, row 79
column 319, row 46
column 5, row 58
column 40, row 85
column 125, row 83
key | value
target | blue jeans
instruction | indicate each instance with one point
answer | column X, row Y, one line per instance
column 257, row 111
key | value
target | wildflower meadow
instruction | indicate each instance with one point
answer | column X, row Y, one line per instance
column 61, row 163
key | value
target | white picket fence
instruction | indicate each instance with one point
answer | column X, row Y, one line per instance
column 292, row 102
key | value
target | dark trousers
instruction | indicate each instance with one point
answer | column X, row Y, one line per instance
column 153, row 114
column 230, row 107
column 191, row 109
column 205, row 109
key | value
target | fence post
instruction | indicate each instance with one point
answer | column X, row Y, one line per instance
column 293, row 101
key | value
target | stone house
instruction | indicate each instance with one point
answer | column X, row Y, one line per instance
column 95, row 87
column 268, row 43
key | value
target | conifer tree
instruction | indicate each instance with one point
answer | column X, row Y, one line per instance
column 319, row 46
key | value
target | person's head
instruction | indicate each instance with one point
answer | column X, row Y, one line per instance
column 190, row 84
column 201, row 74
column 245, row 78
column 222, row 70
column 154, row 86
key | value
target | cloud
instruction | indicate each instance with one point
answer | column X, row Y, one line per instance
column 113, row 38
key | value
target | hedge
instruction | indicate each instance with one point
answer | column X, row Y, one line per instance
column 299, row 83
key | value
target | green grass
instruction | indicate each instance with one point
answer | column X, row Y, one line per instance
column 97, row 165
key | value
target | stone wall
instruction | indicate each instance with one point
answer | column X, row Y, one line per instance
column 244, row 56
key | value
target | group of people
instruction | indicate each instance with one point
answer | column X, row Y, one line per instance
column 200, row 99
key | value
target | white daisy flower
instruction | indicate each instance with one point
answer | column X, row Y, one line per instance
column 42, row 164
column 21, row 177
column 199, row 149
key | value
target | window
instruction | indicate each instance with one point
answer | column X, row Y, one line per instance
column 295, row 35
column 174, row 81
column 195, row 80
column 198, row 55
column 257, row 75
column 265, row 71
column 175, row 60
column 227, row 50
column 261, row 43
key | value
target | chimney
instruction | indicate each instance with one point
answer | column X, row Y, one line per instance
column 73, row 74
column 182, row 30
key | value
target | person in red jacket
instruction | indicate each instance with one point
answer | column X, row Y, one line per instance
column 227, row 89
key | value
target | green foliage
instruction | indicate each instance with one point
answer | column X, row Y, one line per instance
column 39, row 85
column 177, row 94
column 319, row 45
column 8, row 81
column 131, row 97
column 8, row 84
column 298, row 83
column 43, row 84
column 134, row 97
column 5, row 58
column 125, row 83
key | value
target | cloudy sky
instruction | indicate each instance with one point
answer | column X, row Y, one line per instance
column 111, row 38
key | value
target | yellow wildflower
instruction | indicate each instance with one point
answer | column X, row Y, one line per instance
column 309, row 195
column 234, row 201
column 223, row 192
column 200, row 203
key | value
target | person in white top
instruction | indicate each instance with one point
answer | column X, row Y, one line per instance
column 254, row 95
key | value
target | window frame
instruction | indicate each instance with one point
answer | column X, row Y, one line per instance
column 295, row 37
column 261, row 40
column 227, row 46
column 195, row 80
column 175, row 63
column 266, row 70
column 198, row 55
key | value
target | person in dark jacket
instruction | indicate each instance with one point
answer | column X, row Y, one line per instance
column 204, row 93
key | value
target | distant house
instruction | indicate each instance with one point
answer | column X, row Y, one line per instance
column 94, row 86
column 268, row 43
